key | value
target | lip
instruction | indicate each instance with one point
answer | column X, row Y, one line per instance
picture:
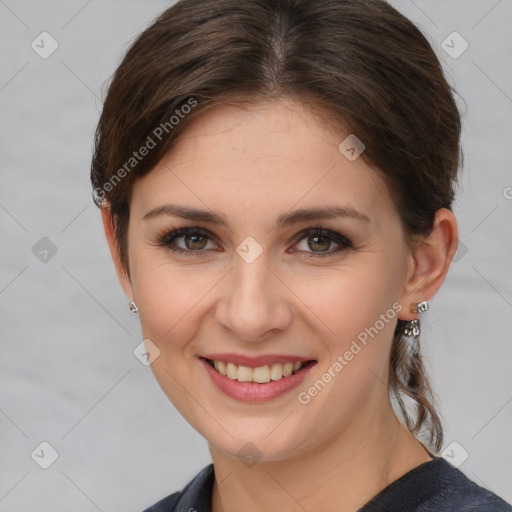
column 253, row 391
column 254, row 362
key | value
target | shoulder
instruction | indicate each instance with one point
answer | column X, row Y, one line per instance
column 464, row 495
column 168, row 504
column 436, row 486
column 195, row 495
column 478, row 502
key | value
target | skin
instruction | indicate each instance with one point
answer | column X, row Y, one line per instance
column 253, row 164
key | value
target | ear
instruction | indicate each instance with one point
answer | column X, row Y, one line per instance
column 108, row 226
column 429, row 262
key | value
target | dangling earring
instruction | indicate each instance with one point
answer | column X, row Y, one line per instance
column 412, row 327
column 133, row 307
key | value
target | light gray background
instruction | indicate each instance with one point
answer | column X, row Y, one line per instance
column 68, row 375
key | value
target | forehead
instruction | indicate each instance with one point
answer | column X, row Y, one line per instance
column 260, row 158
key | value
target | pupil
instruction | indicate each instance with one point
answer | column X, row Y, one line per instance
column 323, row 246
column 196, row 241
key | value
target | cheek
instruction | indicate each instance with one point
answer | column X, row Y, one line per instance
column 173, row 301
column 174, row 298
column 168, row 297
column 354, row 311
column 348, row 300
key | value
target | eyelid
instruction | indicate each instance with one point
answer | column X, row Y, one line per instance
column 342, row 241
column 168, row 236
column 319, row 231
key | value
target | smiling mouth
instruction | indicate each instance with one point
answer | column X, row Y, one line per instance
column 260, row 374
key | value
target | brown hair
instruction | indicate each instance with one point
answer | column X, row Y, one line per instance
column 368, row 64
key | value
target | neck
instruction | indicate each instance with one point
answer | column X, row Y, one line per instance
column 341, row 475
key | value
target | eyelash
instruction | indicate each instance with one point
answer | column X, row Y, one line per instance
column 166, row 239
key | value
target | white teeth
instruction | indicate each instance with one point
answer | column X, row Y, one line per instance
column 261, row 374
column 276, row 372
column 222, row 367
column 244, row 374
column 231, row 370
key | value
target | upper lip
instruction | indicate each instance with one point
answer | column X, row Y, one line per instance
column 255, row 361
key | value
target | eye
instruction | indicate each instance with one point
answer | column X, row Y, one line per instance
column 195, row 241
column 187, row 240
column 317, row 242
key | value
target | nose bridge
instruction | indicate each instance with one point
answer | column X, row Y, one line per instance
column 254, row 302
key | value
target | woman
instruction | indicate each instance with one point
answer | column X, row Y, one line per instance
column 276, row 181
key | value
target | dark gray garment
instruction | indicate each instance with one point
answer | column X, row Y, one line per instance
column 435, row 486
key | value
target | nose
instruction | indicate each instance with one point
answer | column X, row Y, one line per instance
column 254, row 305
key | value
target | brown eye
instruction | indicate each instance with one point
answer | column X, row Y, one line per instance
column 190, row 241
column 319, row 243
column 195, row 242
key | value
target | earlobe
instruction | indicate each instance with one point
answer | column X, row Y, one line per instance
column 430, row 262
column 108, row 226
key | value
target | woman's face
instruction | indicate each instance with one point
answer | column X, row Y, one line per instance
column 263, row 283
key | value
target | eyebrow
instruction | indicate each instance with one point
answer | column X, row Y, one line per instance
column 286, row 219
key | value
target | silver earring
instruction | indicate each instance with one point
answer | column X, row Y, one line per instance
column 412, row 328
column 133, row 307
column 419, row 307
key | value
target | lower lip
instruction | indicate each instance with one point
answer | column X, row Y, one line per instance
column 252, row 391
